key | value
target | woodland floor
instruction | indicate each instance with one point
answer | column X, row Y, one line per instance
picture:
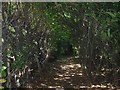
column 63, row 73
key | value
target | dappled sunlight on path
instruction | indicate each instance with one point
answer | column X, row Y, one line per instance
column 64, row 73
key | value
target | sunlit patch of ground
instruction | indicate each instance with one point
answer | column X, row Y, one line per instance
column 55, row 87
column 71, row 66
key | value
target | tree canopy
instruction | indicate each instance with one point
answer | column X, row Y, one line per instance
column 37, row 33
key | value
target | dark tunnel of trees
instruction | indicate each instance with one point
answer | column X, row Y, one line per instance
column 35, row 34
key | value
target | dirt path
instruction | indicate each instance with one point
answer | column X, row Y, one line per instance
column 64, row 73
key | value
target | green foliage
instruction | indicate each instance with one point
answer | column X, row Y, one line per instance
column 3, row 68
column 3, row 74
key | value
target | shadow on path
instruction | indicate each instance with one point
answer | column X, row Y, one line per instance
column 64, row 73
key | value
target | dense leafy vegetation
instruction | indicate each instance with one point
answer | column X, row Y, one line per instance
column 37, row 33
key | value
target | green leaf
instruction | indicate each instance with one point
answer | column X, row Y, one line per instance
column 109, row 33
column 3, row 68
column 1, row 87
column 4, row 74
column 111, row 14
column 2, row 80
column 12, row 29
